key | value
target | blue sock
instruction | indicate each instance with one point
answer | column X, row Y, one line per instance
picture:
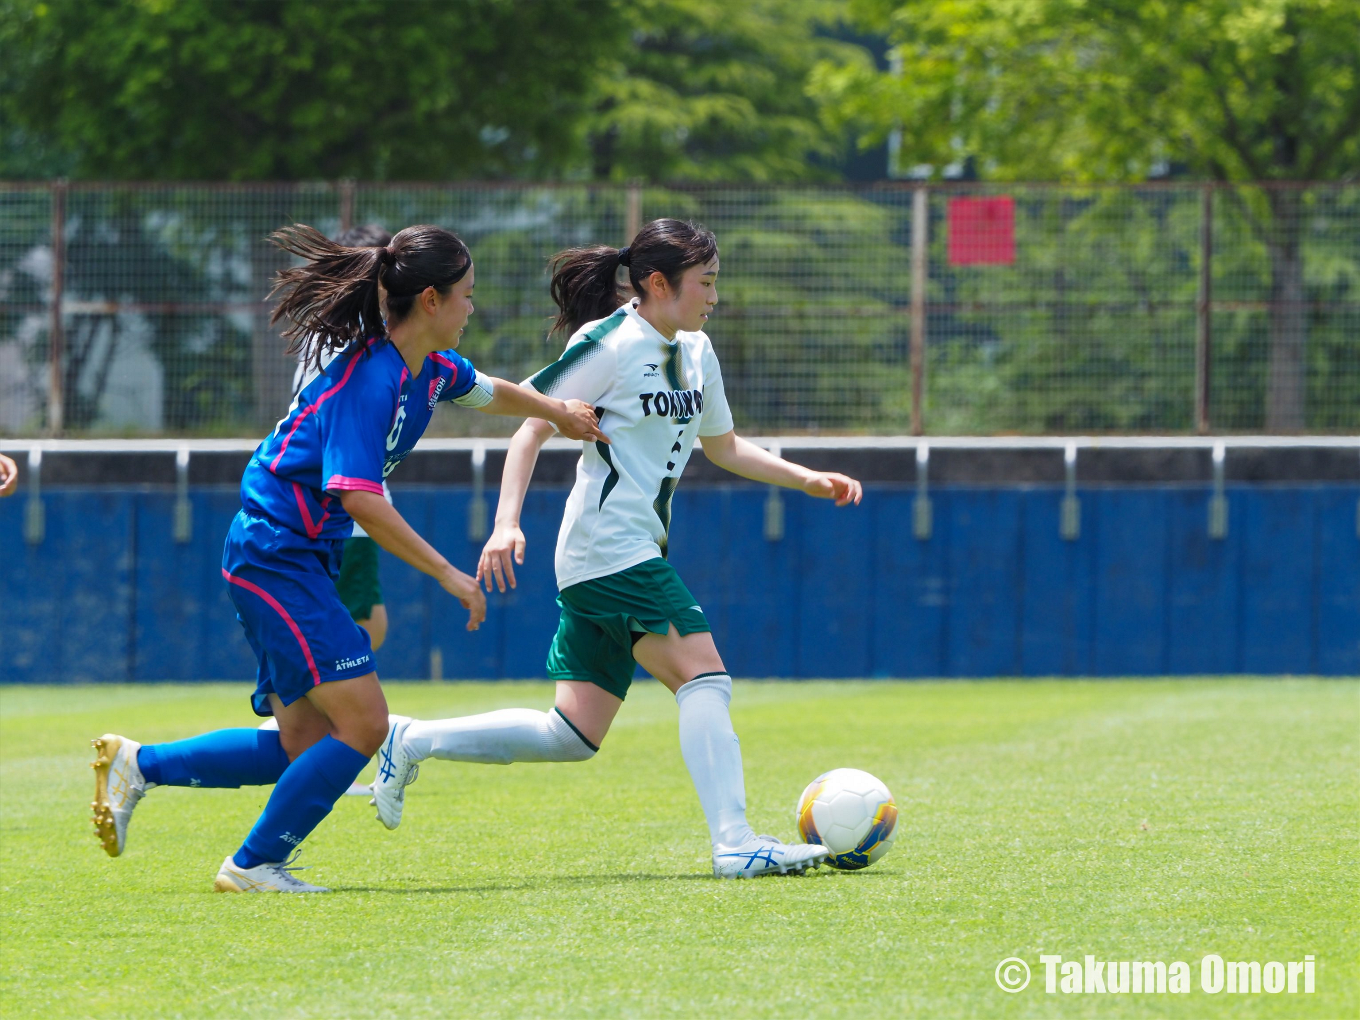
column 303, row 796
column 222, row 758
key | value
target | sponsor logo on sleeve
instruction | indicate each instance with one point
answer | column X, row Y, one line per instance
column 436, row 388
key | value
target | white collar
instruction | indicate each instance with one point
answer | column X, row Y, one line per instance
column 647, row 328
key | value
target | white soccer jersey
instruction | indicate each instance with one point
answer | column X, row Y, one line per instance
column 654, row 397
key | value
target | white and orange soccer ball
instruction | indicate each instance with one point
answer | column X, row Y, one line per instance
column 852, row 814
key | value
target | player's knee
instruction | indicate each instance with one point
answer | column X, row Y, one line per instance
column 364, row 735
column 296, row 739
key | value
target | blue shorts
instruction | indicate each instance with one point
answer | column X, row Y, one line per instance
column 283, row 587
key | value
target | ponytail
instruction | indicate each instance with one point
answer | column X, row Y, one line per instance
column 583, row 285
column 332, row 301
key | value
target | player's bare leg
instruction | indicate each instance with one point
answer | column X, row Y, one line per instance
column 356, row 713
column 691, row 668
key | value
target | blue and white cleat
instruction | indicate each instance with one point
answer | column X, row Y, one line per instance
column 396, row 771
column 765, row 855
column 231, row 877
column 118, row 786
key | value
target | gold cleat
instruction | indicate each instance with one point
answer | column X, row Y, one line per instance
column 118, row 786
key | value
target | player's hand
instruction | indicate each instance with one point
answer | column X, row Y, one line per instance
column 502, row 551
column 580, row 423
column 9, row 476
column 467, row 591
column 829, row 485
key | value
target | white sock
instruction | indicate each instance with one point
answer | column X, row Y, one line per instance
column 498, row 738
column 712, row 754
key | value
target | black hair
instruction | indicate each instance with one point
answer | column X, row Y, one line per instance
column 369, row 235
column 333, row 299
column 583, row 286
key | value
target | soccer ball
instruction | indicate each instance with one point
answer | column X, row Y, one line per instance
column 850, row 813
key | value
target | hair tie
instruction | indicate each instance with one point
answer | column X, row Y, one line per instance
column 625, row 259
column 387, row 256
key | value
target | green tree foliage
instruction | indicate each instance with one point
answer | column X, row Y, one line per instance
column 716, row 92
column 294, row 89
column 1103, row 90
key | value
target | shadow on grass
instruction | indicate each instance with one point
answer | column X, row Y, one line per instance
column 576, row 880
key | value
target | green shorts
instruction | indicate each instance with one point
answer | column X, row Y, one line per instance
column 601, row 617
column 358, row 582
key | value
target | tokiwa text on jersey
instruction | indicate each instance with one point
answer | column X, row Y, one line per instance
column 678, row 404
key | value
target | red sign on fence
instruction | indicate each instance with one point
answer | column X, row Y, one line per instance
column 982, row 231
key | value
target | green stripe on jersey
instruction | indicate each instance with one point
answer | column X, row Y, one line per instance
column 675, row 368
column 603, row 450
column 546, row 379
column 607, row 325
column 662, row 506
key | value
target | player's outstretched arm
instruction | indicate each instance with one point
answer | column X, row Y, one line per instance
column 9, row 476
column 575, row 421
column 742, row 457
column 390, row 530
column 505, row 547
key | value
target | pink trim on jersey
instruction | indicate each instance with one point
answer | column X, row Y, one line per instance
column 311, row 409
column 275, row 605
column 360, row 484
column 313, row 529
column 440, row 359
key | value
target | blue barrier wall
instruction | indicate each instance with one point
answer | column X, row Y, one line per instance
column 109, row 595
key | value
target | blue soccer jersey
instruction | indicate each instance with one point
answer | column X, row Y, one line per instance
column 347, row 429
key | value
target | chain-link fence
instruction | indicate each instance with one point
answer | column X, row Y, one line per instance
column 951, row 309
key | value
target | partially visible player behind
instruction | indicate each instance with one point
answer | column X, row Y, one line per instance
column 653, row 376
column 395, row 313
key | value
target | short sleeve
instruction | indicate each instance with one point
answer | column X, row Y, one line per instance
column 717, row 416
column 464, row 376
column 356, row 419
column 585, row 371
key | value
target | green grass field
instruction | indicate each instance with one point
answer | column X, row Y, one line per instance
column 1157, row 820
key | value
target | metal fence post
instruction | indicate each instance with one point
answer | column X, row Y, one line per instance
column 921, row 514
column 1069, row 523
column 1204, row 311
column 35, row 516
column 346, row 188
column 920, row 212
column 1218, row 502
column 477, row 505
column 184, row 511
column 632, row 221
column 774, row 508
column 56, row 345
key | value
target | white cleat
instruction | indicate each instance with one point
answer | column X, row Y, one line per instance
column 765, row 855
column 262, row 878
column 118, row 786
column 396, row 771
